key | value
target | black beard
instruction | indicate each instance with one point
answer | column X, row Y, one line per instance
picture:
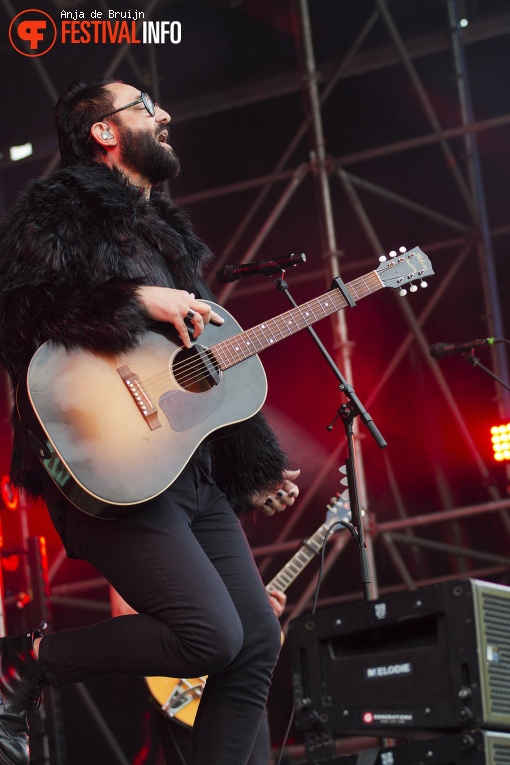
column 140, row 151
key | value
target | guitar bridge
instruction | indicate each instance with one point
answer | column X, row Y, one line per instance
column 140, row 397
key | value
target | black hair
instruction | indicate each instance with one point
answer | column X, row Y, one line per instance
column 82, row 104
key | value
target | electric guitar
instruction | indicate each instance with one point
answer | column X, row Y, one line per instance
column 179, row 697
column 114, row 431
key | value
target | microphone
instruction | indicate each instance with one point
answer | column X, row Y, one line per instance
column 265, row 267
column 439, row 350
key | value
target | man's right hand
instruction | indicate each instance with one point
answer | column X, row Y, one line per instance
column 172, row 306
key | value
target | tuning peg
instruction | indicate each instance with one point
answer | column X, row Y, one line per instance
column 382, row 258
column 402, row 249
column 413, row 288
column 423, row 284
column 392, row 254
column 402, row 292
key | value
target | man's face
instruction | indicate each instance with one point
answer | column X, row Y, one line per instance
column 143, row 138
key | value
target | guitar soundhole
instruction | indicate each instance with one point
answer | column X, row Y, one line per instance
column 196, row 369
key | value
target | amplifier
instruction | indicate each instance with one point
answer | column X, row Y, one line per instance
column 433, row 659
column 474, row 747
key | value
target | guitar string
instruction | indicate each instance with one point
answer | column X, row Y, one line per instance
column 277, row 322
column 196, row 369
column 190, row 367
column 187, row 370
column 256, row 334
column 315, row 302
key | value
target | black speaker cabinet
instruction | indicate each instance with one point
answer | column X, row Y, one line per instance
column 433, row 659
column 475, row 747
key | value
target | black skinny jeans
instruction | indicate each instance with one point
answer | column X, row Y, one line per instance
column 184, row 564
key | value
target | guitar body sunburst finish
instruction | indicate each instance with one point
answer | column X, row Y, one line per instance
column 104, row 454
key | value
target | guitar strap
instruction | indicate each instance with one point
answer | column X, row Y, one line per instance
column 204, row 292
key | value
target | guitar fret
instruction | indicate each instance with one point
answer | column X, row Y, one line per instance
column 279, row 583
column 289, row 322
column 305, row 313
column 272, row 338
column 323, row 307
column 297, row 559
column 364, row 285
column 319, row 542
column 219, row 355
column 310, row 543
column 237, row 352
column 353, row 289
column 276, row 325
column 306, row 554
column 253, row 340
column 225, row 346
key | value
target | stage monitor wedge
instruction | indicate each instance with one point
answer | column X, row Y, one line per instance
column 433, row 659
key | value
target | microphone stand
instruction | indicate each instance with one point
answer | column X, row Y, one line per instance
column 475, row 362
column 347, row 412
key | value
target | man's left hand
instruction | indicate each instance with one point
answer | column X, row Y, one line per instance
column 278, row 499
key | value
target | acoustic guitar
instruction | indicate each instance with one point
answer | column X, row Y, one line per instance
column 115, row 431
column 179, row 698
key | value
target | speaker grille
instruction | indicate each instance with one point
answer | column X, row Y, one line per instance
column 501, row 755
column 496, row 619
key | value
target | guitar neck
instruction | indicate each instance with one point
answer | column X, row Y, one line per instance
column 233, row 350
column 302, row 558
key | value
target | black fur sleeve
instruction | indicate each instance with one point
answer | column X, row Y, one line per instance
column 248, row 461
column 50, row 286
column 38, row 306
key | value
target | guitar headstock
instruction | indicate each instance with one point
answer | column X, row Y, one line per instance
column 339, row 509
column 403, row 268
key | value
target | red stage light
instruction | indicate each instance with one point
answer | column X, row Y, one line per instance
column 500, row 437
column 9, row 493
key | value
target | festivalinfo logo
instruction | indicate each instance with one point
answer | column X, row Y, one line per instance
column 33, row 32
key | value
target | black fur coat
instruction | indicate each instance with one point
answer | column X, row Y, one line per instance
column 73, row 250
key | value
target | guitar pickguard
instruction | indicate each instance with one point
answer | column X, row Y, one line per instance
column 184, row 410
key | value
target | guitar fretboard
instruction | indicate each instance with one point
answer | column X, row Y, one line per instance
column 304, row 555
column 233, row 350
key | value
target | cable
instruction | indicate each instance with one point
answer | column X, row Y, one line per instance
column 353, row 533
column 284, row 742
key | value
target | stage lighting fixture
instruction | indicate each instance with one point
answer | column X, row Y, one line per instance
column 20, row 152
column 500, row 437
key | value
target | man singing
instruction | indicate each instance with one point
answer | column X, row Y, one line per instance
column 89, row 256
